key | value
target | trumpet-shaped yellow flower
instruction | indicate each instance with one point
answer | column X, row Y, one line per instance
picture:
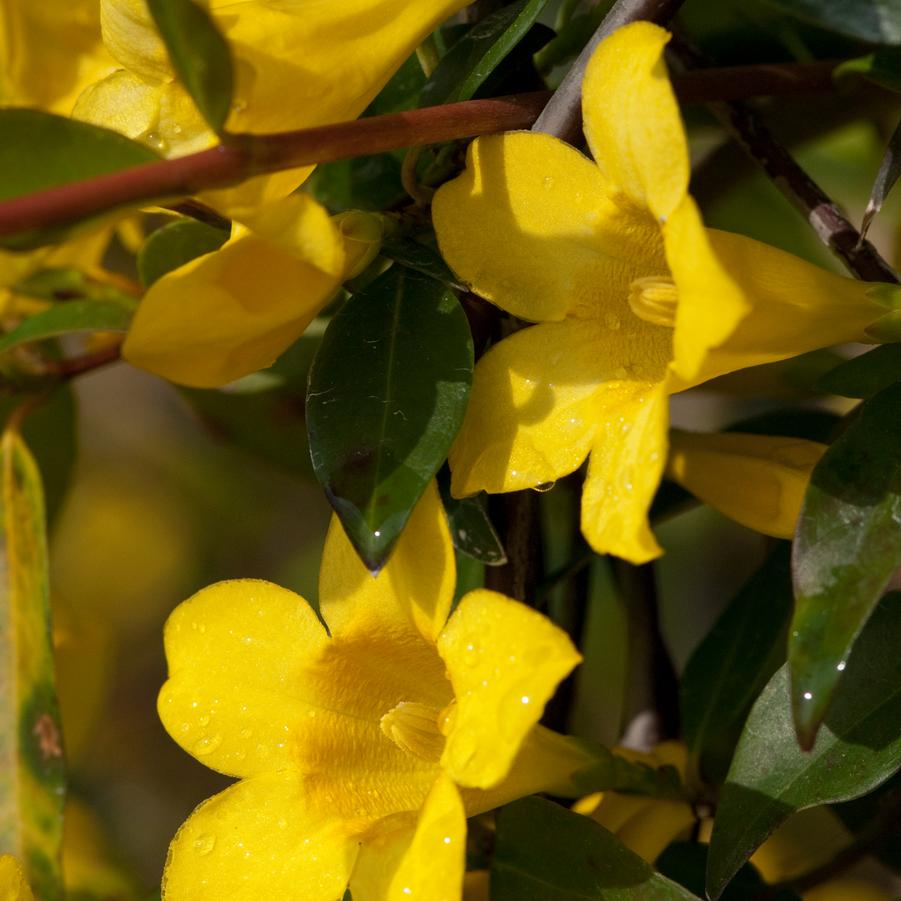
column 49, row 52
column 299, row 64
column 13, row 884
column 361, row 750
column 234, row 311
column 635, row 298
column 757, row 480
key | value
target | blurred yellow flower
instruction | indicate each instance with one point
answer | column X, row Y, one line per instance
column 635, row 298
column 361, row 750
column 298, row 64
column 234, row 311
column 13, row 884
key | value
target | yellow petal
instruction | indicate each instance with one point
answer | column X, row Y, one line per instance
column 533, row 412
column 632, row 119
column 794, row 306
column 412, row 594
column 232, row 312
column 624, row 471
column 649, row 830
column 531, row 227
column 711, row 300
column 504, row 661
column 259, row 839
column 132, row 38
column 13, row 884
column 423, row 860
column 757, row 480
column 236, row 697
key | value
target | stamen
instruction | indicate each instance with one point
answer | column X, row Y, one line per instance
column 654, row 299
column 414, row 728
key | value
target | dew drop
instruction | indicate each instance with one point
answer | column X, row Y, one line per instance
column 524, row 699
column 207, row 745
column 239, row 106
column 156, row 140
column 841, row 666
column 544, row 486
column 204, row 843
column 808, row 696
column 548, row 182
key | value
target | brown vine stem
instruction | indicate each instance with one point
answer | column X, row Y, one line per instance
column 832, row 227
column 224, row 166
column 562, row 116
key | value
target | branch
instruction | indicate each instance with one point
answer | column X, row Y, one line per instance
column 562, row 116
column 827, row 220
column 253, row 155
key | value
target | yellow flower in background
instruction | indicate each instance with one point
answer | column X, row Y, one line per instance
column 49, row 52
column 13, row 884
column 299, row 64
column 635, row 298
column 757, row 480
column 234, row 311
column 361, row 750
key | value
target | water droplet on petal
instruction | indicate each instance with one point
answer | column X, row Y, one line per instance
column 203, row 721
column 544, row 486
column 548, row 182
column 207, row 745
column 204, row 843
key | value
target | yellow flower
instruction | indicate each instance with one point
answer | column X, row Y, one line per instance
column 644, row 825
column 13, row 884
column 361, row 750
column 49, row 52
column 234, row 311
column 298, row 65
column 757, row 480
column 635, row 298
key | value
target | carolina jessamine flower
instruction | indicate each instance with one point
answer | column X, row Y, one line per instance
column 13, row 884
column 757, row 480
column 361, row 750
column 635, row 298
column 299, row 64
column 234, row 311
column 49, row 52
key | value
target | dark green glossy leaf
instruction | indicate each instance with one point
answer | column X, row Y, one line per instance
column 200, row 56
column 73, row 316
column 867, row 374
column 388, row 390
column 545, row 852
column 414, row 254
column 847, row 546
column 175, row 244
column 686, row 863
column 471, row 528
column 875, row 21
column 858, row 748
column 364, row 183
column 882, row 67
column 41, row 150
column 736, row 659
column 479, row 52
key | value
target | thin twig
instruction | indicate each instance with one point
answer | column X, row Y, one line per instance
column 562, row 116
column 832, row 227
column 229, row 165
column 89, row 362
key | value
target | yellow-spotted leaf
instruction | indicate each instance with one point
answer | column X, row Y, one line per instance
column 32, row 774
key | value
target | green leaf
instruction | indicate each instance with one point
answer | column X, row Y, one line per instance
column 471, row 529
column 847, row 546
column 175, row 244
column 96, row 315
column 889, row 170
column 858, row 748
column 32, row 770
column 736, row 659
column 200, row 56
column 364, row 183
column 865, row 375
column 883, row 67
column 875, row 21
column 545, row 852
column 479, row 52
column 41, row 150
column 388, row 390
column 414, row 254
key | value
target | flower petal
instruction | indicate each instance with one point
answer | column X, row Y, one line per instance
column 504, row 661
column 653, row 826
column 13, row 884
column 632, row 120
column 412, row 594
column 237, row 653
column 259, row 839
column 421, row 859
column 794, row 306
column 533, row 411
column 757, row 480
column 624, row 471
column 531, row 227
column 711, row 300
column 232, row 312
